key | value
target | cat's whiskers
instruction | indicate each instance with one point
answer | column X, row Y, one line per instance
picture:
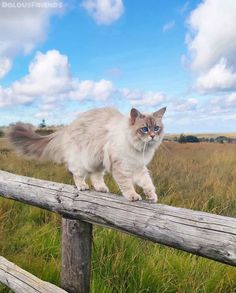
column 144, row 147
column 165, row 148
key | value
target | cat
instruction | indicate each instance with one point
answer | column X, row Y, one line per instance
column 100, row 140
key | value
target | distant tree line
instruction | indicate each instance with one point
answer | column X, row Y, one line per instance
column 194, row 139
column 188, row 138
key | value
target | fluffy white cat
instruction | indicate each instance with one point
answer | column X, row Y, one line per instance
column 100, row 140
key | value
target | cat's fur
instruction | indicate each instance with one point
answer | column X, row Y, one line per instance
column 100, row 140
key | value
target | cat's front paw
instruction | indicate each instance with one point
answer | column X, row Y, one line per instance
column 132, row 196
column 82, row 186
column 151, row 194
column 101, row 188
column 152, row 197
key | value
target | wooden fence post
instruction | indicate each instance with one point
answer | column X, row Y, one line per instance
column 76, row 256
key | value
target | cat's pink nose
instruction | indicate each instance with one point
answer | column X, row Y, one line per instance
column 152, row 135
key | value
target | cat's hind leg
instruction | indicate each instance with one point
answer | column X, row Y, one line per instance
column 79, row 176
column 98, row 182
column 80, row 182
column 76, row 167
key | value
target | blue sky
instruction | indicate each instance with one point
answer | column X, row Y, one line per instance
column 59, row 61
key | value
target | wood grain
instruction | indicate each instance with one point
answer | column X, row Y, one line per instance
column 21, row 281
column 200, row 233
column 76, row 256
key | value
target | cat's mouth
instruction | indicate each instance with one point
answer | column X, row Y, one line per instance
column 151, row 141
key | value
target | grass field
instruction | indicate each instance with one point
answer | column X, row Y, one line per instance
column 198, row 176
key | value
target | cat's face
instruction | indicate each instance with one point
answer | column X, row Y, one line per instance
column 147, row 128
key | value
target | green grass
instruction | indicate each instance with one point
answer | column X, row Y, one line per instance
column 198, row 176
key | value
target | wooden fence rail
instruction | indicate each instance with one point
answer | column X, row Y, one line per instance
column 21, row 281
column 208, row 235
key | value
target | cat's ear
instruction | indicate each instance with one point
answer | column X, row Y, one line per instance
column 159, row 114
column 134, row 114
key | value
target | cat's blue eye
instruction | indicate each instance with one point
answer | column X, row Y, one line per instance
column 144, row 129
column 156, row 128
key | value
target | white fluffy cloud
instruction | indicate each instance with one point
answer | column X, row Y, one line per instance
column 138, row 98
column 8, row 98
column 22, row 28
column 104, row 11
column 224, row 103
column 49, row 82
column 219, row 77
column 212, row 33
column 211, row 42
column 48, row 75
column 189, row 104
column 100, row 90
column 49, row 79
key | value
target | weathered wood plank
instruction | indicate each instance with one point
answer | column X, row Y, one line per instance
column 204, row 234
column 76, row 256
column 21, row 281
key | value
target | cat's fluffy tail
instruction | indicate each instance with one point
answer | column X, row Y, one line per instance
column 26, row 142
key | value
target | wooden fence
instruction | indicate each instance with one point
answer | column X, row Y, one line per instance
column 208, row 235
